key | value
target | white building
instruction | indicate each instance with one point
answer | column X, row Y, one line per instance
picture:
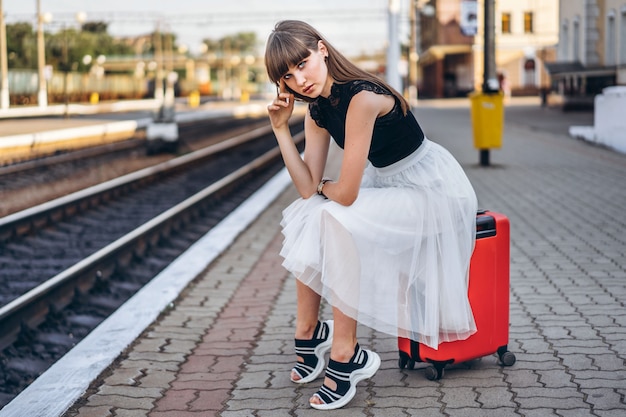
column 592, row 49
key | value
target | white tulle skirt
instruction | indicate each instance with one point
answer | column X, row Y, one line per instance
column 397, row 259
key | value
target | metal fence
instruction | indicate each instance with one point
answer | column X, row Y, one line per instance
column 74, row 86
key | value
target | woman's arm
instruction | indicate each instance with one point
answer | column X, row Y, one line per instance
column 305, row 173
column 364, row 108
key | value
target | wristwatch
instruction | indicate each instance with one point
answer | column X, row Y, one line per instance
column 320, row 187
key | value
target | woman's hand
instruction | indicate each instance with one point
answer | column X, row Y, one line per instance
column 281, row 108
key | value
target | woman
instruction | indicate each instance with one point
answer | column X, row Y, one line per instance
column 387, row 243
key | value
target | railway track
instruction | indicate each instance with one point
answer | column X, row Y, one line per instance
column 28, row 183
column 69, row 263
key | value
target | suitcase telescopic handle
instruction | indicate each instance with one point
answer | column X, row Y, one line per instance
column 485, row 225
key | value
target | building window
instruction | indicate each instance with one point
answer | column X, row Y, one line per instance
column 564, row 41
column 506, row 22
column 528, row 22
column 611, row 44
column 576, row 47
column 622, row 37
column 529, row 72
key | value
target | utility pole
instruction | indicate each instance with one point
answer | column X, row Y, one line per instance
column 393, row 50
column 4, row 66
column 414, row 25
column 490, row 81
column 42, row 95
column 158, row 56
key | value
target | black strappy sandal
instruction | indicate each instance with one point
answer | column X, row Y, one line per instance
column 363, row 365
column 312, row 352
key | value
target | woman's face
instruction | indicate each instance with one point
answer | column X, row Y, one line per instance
column 309, row 77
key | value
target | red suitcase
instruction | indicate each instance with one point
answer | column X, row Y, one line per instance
column 489, row 299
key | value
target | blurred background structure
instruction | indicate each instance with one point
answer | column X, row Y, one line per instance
column 591, row 53
column 565, row 50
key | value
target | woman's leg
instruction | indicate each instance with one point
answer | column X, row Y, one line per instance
column 307, row 312
column 345, row 337
column 306, row 319
column 342, row 350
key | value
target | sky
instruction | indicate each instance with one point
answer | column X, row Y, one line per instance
column 353, row 26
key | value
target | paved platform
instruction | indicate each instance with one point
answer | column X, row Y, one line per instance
column 225, row 346
column 25, row 132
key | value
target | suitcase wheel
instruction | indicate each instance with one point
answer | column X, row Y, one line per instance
column 507, row 358
column 405, row 361
column 434, row 373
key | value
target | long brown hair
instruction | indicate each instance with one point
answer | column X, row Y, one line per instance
column 292, row 41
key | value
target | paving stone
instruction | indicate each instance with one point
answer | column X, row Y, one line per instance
column 259, row 403
column 555, row 378
column 157, row 379
column 495, row 397
column 121, row 412
column 608, row 362
column 522, row 378
column 177, row 400
column 545, row 412
column 617, row 412
column 391, row 398
column 460, row 397
column 178, row 333
column 99, row 411
column 482, row 412
column 255, row 379
column 121, row 401
column 380, row 411
column 145, row 364
column 179, row 346
column 135, row 392
column 619, row 375
column 150, row 345
column 579, row 362
column 156, row 356
column 548, row 401
column 125, row 376
column 213, row 400
column 580, row 412
column 537, row 345
column 205, row 413
column 585, row 384
column 605, row 399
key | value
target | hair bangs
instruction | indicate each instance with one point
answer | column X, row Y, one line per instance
column 283, row 51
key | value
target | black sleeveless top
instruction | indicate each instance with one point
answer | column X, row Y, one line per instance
column 395, row 135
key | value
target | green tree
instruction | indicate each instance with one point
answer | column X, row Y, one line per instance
column 21, row 45
column 65, row 49
column 239, row 42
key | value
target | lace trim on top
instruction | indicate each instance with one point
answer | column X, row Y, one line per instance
column 340, row 94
